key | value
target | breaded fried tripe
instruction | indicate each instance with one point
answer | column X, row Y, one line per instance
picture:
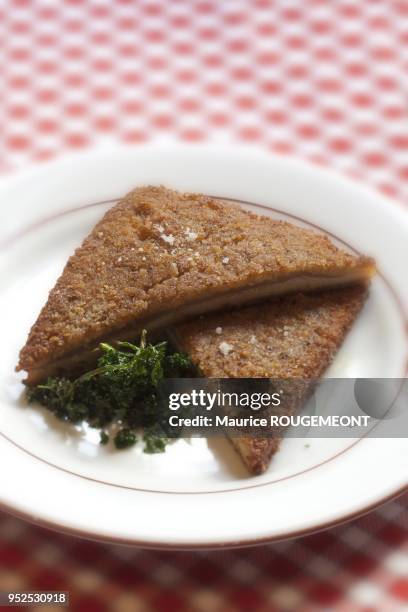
column 159, row 256
column 292, row 339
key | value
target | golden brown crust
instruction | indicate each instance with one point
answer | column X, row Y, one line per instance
column 157, row 250
column 291, row 337
column 256, row 453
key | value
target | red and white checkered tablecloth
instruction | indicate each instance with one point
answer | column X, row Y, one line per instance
column 322, row 79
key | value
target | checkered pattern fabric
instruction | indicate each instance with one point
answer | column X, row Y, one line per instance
column 322, row 79
column 359, row 567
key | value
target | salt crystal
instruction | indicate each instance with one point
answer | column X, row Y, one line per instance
column 225, row 260
column 225, row 348
column 218, row 330
column 119, row 259
column 169, row 238
column 252, row 339
column 190, row 235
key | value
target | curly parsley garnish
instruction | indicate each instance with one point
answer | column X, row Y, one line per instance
column 123, row 389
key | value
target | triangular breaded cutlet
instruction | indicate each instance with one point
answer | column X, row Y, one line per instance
column 294, row 337
column 158, row 257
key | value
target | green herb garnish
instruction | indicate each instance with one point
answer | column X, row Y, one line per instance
column 104, row 438
column 123, row 389
column 125, row 438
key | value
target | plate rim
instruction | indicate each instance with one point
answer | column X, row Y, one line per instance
column 210, row 545
column 240, row 150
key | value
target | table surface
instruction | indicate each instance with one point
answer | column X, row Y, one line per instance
column 324, row 80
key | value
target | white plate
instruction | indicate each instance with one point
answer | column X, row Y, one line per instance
column 196, row 494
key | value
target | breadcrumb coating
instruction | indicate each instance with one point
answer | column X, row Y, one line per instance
column 157, row 251
column 293, row 337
